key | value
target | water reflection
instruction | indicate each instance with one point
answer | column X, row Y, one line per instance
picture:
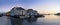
column 49, row 20
column 50, row 17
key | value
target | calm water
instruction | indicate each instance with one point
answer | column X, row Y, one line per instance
column 47, row 20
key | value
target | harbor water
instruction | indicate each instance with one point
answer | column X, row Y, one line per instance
column 47, row 20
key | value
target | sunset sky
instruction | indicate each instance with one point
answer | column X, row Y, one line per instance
column 42, row 6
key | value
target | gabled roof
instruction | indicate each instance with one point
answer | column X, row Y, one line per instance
column 18, row 8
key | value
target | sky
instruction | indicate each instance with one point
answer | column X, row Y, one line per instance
column 42, row 6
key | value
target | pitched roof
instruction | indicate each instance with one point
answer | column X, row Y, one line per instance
column 18, row 8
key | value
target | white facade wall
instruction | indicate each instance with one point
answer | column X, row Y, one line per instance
column 20, row 12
